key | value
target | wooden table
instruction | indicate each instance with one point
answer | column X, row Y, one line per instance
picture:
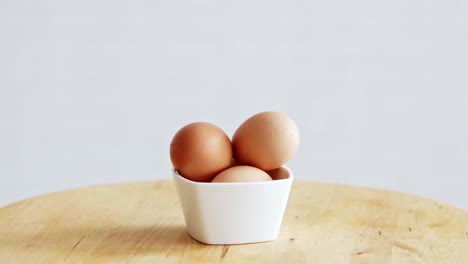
column 143, row 223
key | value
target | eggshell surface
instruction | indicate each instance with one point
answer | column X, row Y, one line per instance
column 266, row 140
column 242, row 174
column 199, row 151
column 279, row 173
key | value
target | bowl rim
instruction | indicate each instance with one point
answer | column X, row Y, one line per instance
column 290, row 177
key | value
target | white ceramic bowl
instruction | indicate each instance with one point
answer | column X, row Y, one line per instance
column 234, row 213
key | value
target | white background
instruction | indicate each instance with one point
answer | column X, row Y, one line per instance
column 92, row 92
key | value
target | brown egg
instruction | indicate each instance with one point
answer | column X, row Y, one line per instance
column 266, row 140
column 279, row 173
column 199, row 151
column 242, row 174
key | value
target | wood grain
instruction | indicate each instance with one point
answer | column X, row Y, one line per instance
column 143, row 223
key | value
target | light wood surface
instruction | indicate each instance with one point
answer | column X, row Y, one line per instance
column 143, row 223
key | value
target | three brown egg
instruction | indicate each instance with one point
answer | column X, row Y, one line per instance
column 203, row 152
